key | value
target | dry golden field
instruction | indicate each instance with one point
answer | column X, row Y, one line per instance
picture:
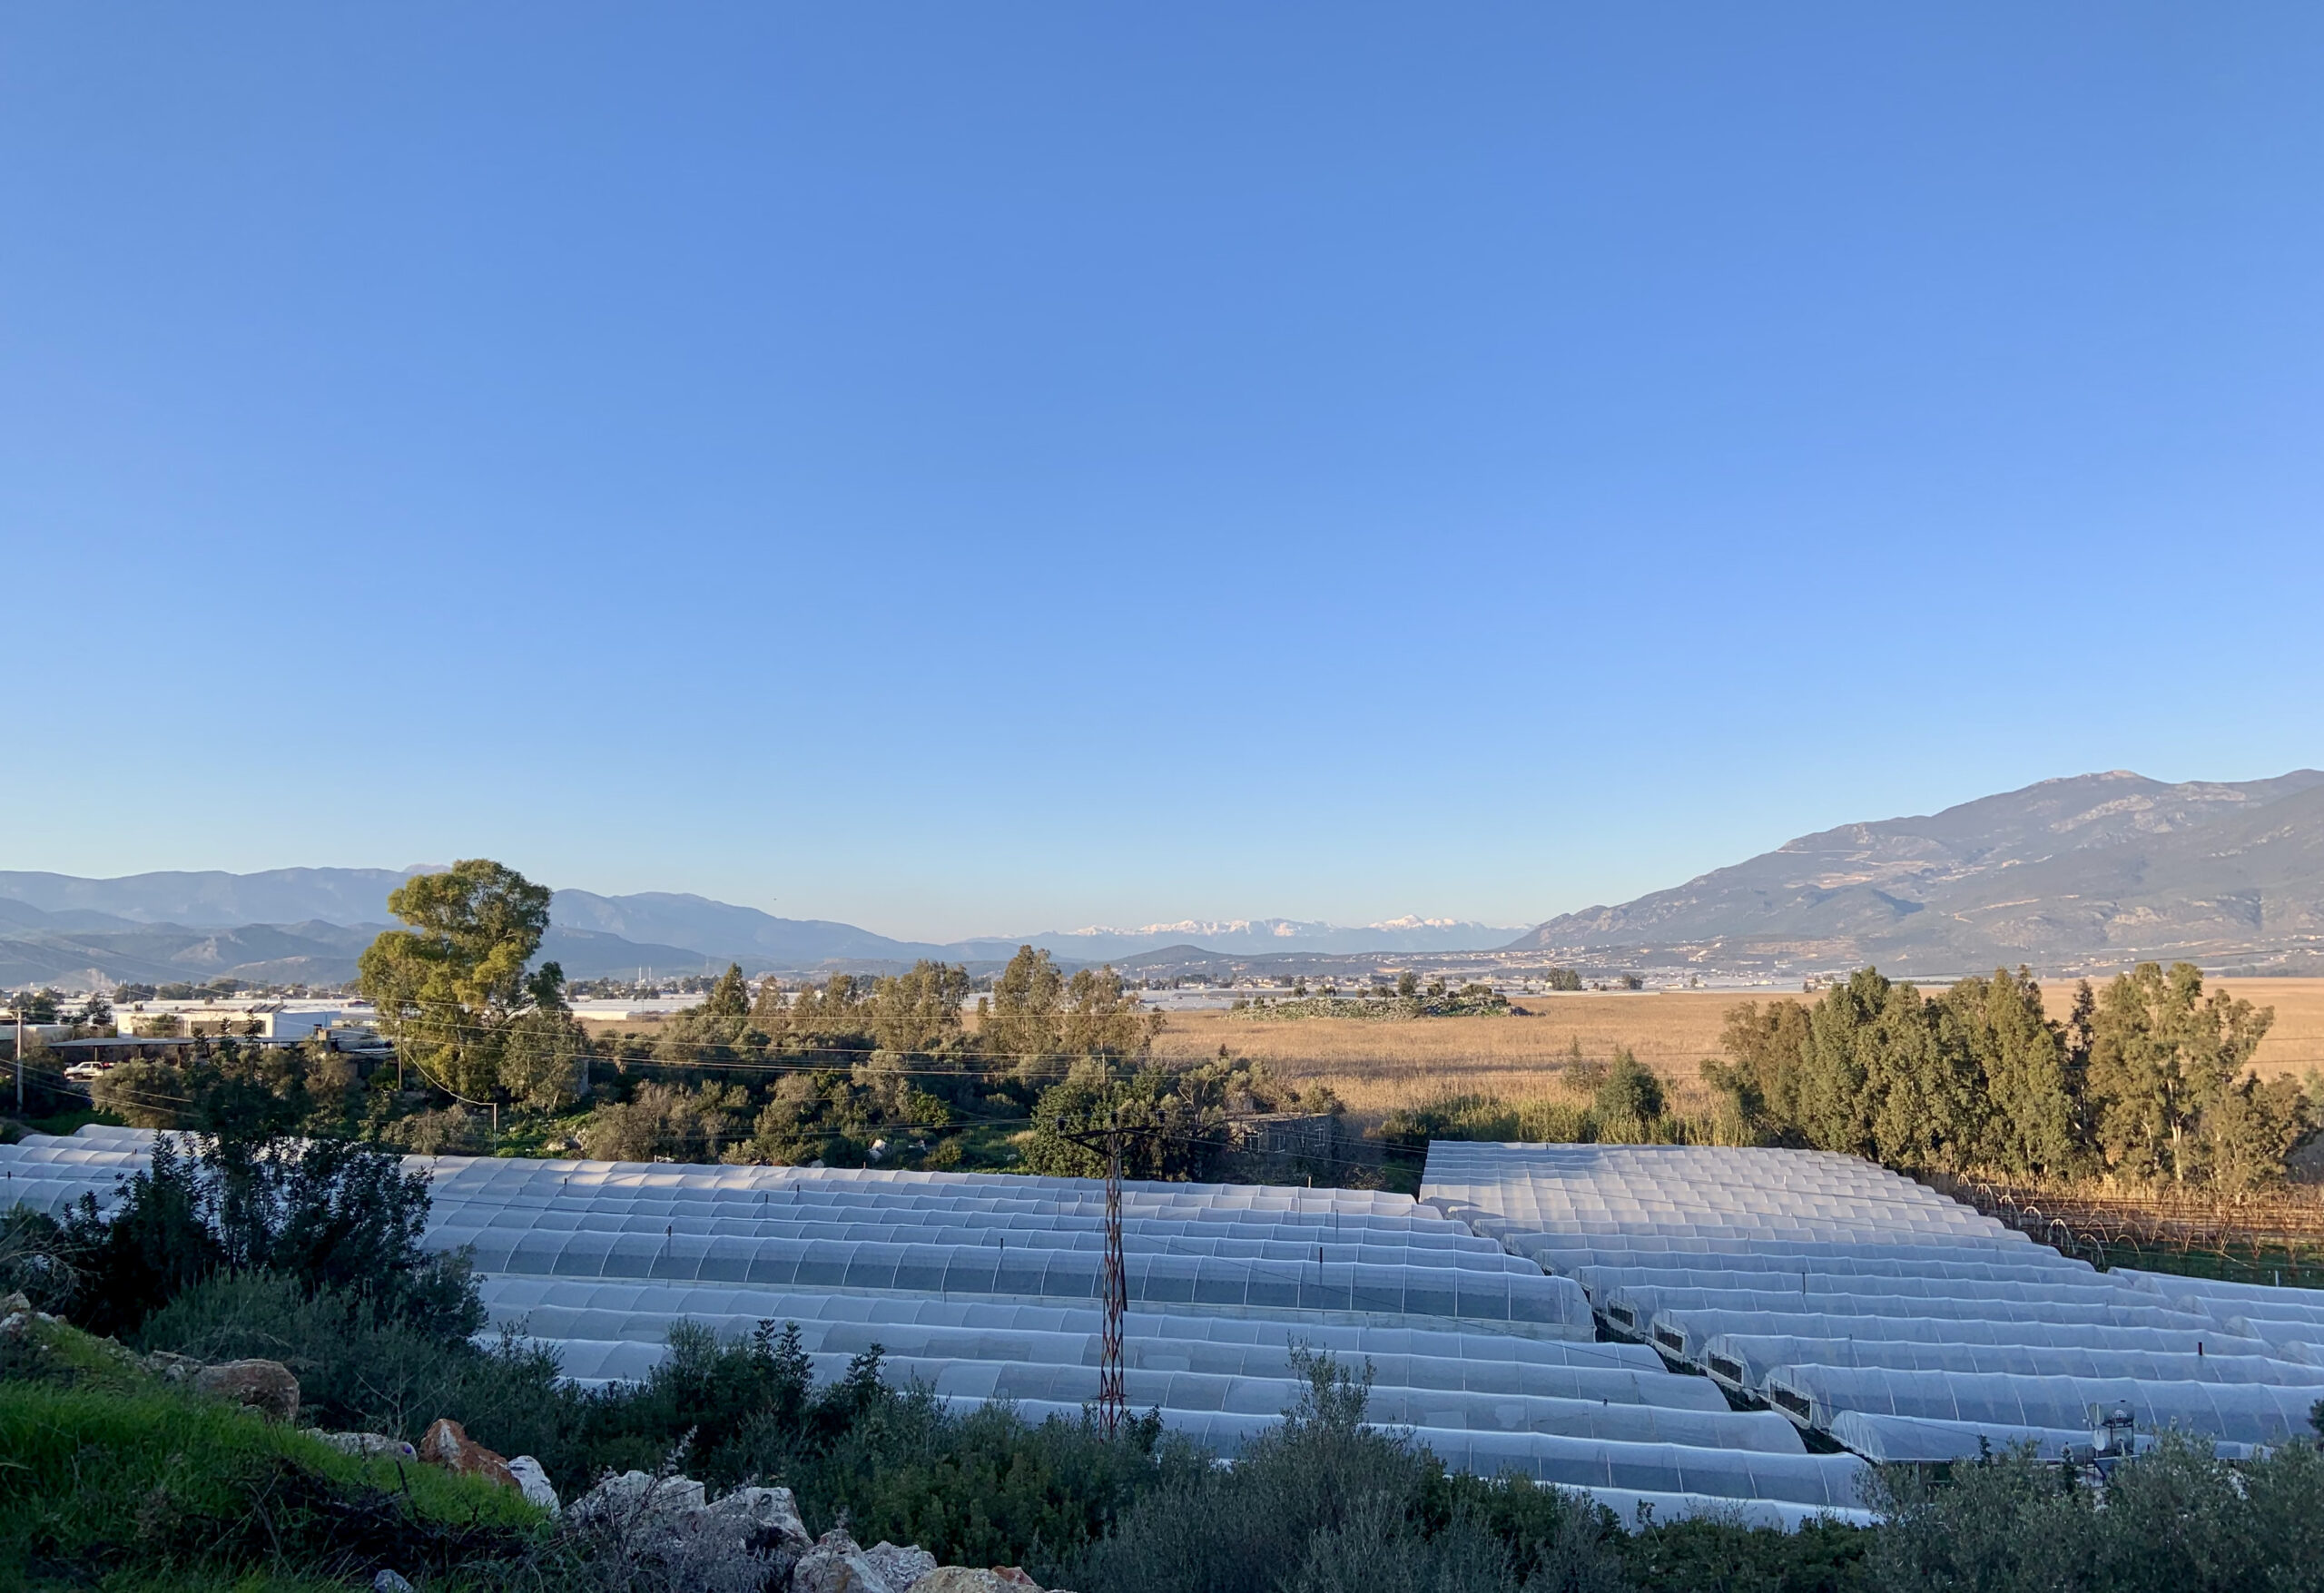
column 1378, row 1066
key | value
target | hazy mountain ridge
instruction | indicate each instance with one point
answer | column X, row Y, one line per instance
column 170, row 925
column 215, row 899
column 2093, row 867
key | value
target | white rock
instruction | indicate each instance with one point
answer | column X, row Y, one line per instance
column 764, row 1510
column 899, row 1567
column 745, row 1542
column 836, row 1565
column 636, row 1496
column 366, row 1444
column 532, row 1481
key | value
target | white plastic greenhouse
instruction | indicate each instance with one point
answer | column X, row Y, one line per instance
column 1686, row 1335
column 2239, row 1412
column 1742, row 1361
column 985, row 1287
column 1892, row 1319
column 1846, row 1299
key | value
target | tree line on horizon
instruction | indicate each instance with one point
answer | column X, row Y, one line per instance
column 845, row 1072
column 2148, row 1078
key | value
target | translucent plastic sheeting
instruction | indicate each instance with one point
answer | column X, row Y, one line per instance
column 1528, row 1303
column 2226, row 1310
column 1743, row 1361
column 1598, row 1282
column 1915, row 1290
column 510, row 1178
column 1264, row 1398
column 514, row 1176
column 657, row 1304
column 487, row 1231
column 2237, row 1412
column 1452, row 1374
column 1632, row 1308
column 1820, row 1481
column 1572, row 1250
column 1897, row 1440
column 1636, row 1510
column 1037, row 1230
column 1687, row 1335
column 1228, row 1434
column 1502, row 1189
column 2275, row 1330
column 2173, row 1285
column 996, row 1209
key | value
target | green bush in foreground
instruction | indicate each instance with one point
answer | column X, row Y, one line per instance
column 363, row 1370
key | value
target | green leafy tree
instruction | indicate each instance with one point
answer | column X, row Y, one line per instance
column 667, row 1122
column 2019, row 1065
column 35, row 1005
column 831, row 1018
column 544, row 1060
column 1020, row 1030
column 2247, row 1132
column 451, row 986
column 730, row 997
column 1839, row 1063
column 1104, row 1018
column 919, row 1012
column 1928, row 1104
column 771, row 1010
column 2162, row 1055
column 1630, row 1097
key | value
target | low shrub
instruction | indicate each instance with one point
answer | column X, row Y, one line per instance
column 360, row 1369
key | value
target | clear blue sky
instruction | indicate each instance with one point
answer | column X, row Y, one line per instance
column 987, row 467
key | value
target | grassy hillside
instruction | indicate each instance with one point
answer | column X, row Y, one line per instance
column 110, row 1479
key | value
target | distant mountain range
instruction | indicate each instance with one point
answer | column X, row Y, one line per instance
column 309, row 925
column 2089, row 871
column 2085, row 872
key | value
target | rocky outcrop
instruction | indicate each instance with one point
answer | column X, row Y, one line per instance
column 976, row 1579
column 900, row 1568
column 365, row 1446
column 960, row 1579
column 532, row 1481
column 747, row 1542
column 752, row 1540
column 837, row 1564
column 264, row 1386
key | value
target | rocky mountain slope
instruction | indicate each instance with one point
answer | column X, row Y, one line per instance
column 2083, row 871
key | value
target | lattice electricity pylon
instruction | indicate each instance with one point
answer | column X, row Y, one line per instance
column 1113, row 1398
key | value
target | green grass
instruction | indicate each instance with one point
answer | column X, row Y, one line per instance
column 159, row 1489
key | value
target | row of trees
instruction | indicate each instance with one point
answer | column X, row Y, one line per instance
column 461, row 996
column 2147, row 1078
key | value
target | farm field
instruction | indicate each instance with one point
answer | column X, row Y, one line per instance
column 1376, row 1068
